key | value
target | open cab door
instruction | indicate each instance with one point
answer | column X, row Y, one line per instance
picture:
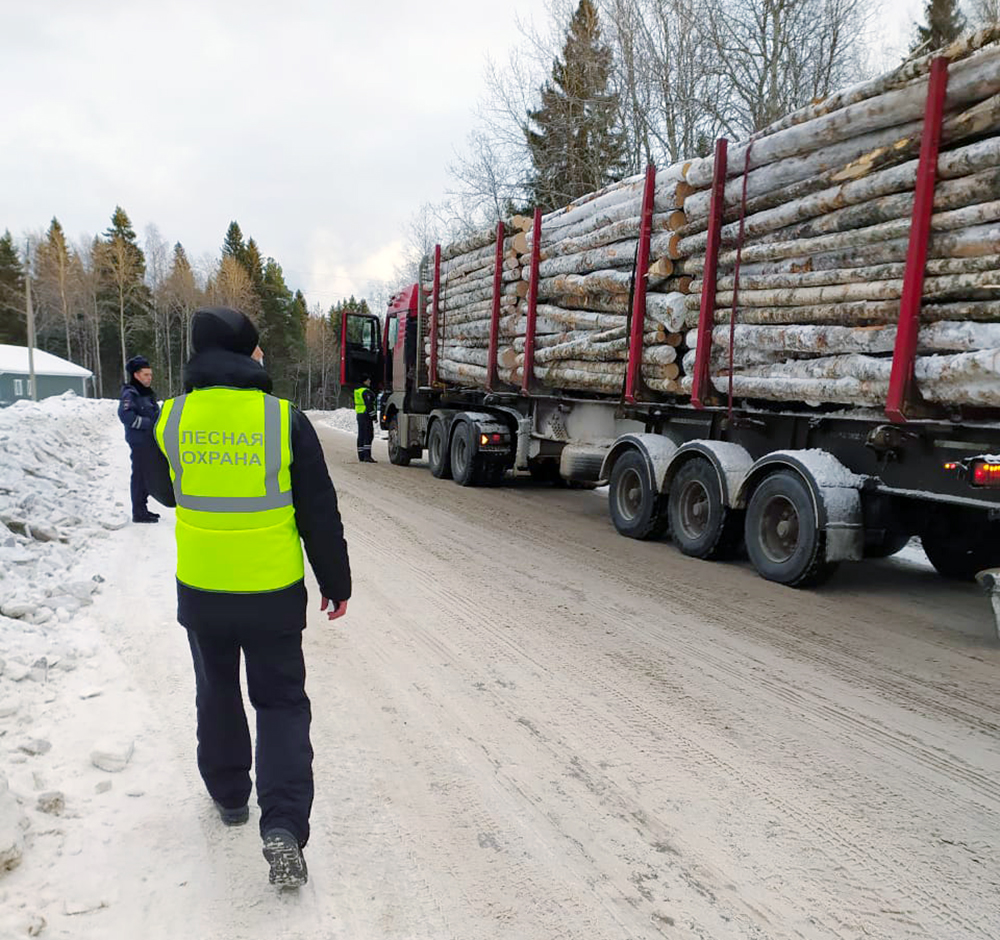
column 360, row 352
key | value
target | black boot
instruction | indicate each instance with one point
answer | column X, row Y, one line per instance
column 288, row 867
column 146, row 517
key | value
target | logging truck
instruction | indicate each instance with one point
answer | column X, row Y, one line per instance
column 791, row 350
column 800, row 490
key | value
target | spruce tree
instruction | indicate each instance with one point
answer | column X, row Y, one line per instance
column 944, row 23
column 123, row 289
column 13, row 328
column 575, row 144
column 233, row 245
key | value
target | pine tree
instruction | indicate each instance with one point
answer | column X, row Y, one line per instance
column 944, row 23
column 577, row 146
column 13, row 329
column 55, row 295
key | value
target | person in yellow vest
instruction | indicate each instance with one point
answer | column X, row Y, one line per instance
column 364, row 408
column 249, row 481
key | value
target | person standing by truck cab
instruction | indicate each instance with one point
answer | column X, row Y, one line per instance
column 248, row 477
column 138, row 411
column 364, row 408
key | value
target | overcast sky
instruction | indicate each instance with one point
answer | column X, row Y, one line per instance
column 320, row 126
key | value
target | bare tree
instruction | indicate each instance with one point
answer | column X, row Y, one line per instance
column 985, row 12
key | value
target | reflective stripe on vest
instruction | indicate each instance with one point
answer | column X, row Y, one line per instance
column 230, row 459
column 359, row 400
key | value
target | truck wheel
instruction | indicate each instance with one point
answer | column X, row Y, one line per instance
column 960, row 544
column 700, row 525
column 783, row 538
column 400, row 456
column 438, row 456
column 636, row 508
column 887, row 544
column 463, row 459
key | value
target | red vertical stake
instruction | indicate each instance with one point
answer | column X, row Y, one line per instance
column 639, row 293
column 702, row 383
column 495, row 318
column 528, row 377
column 904, row 355
column 435, row 300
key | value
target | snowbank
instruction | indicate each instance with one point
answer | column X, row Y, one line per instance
column 65, row 707
column 343, row 419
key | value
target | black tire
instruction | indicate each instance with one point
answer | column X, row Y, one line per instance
column 438, row 454
column 959, row 544
column 636, row 508
column 700, row 525
column 783, row 538
column 463, row 456
column 887, row 544
column 400, row 456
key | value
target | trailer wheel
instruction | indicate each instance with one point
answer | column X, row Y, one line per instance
column 438, row 456
column 463, row 458
column 959, row 544
column 782, row 533
column 636, row 508
column 700, row 525
column 400, row 456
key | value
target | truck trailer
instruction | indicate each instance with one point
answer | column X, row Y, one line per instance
column 800, row 486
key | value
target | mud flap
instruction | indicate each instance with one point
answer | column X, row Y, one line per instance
column 989, row 581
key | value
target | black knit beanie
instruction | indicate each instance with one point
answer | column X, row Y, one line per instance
column 223, row 328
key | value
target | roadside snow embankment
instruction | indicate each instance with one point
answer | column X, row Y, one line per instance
column 343, row 419
column 61, row 478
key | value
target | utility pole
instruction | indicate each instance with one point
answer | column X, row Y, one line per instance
column 31, row 322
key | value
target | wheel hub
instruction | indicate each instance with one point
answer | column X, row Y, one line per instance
column 630, row 494
column 779, row 529
column 693, row 517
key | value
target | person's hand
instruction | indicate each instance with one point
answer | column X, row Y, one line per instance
column 339, row 608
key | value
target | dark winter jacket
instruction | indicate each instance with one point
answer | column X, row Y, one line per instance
column 316, row 516
column 138, row 411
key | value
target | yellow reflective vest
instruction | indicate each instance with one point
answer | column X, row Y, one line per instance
column 360, row 407
column 230, row 454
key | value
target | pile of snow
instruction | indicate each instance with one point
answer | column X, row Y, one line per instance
column 63, row 488
column 343, row 419
column 54, row 502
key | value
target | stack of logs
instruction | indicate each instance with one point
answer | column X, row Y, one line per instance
column 829, row 200
column 586, row 268
column 826, row 211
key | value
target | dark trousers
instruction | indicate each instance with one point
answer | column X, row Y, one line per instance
column 276, row 676
column 137, row 486
column 366, row 434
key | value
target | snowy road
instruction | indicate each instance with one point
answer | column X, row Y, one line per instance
column 608, row 740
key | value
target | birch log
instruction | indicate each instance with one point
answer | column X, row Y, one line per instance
column 974, row 159
column 948, row 336
column 878, row 272
column 969, row 80
column 961, row 379
column 950, row 285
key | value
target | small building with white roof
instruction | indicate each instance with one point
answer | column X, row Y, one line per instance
column 53, row 374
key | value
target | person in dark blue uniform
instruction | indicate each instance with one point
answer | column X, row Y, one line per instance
column 138, row 410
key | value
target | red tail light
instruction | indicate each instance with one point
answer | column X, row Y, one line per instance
column 985, row 473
